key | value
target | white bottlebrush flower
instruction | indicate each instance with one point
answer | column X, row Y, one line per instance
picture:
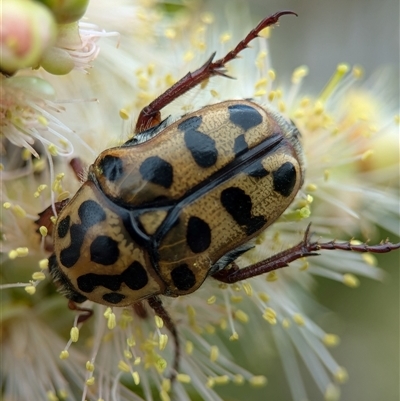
column 127, row 353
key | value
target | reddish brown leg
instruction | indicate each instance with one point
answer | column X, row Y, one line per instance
column 140, row 310
column 302, row 249
column 86, row 313
column 151, row 116
column 156, row 304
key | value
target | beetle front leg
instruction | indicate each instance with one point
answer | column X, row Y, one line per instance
column 302, row 249
column 156, row 304
column 151, row 116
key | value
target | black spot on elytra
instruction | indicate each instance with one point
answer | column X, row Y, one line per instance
column 134, row 276
column 244, row 116
column 284, row 179
column 90, row 213
column 256, row 170
column 198, row 235
column 63, row 226
column 240, row 145
column 113, row 297
column 104, row 250
column 112, row 167
column 201, row 146
column 158, row 171
column 183, row 278
column 238, row 204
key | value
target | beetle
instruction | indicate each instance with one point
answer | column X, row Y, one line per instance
column 180, row 202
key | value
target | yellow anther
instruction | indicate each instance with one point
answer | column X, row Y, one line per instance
column 340, row 72
column 52, row 149
column 123, row 366
column 43, row 120
column 369, row 259
column 272, row 75
column 210, row 329
column 367, row 154
column 357, row 71
column 13, row 254
column 236, row 298
column 214, row 93
column 7, row 205
column 43, row 231
column 137, row 360
column 159, row 321
column 131, row 341
column 226, row 37
column 258, row 381
column 166, row 385
column 238, row 379
column 170, row 33
column 74, row 334
column 286, row 323
column 224, row 379
column 189, row 347
column 64, row 354
column 182, row 378
column 89, row 366
column 39, row 276
column 331, row 340
column 128, row 354
column 271, row 276
column 136, row 378
column 263, row 296
column 332, row 393
column 90, row 381
column 162, row 341
column 111, row 323
column 43, row 264
column 299, row 73
column 304, row 266
column 207, row 18
column 241, row 316
column 298, row 319
column 210, row 382
column 327, row 174
column 41, row 187
column 248, row 289
column 350, row 280
column 53, row 219
column 270, row 316
column 311, row 187
column 341, row 376
column 211, row 300
column 51, row 396
column 164, row 396
column 19, row 211
column 124, row 114
column 188, row 56
column 234, row 336
column 260, row 93
column 30, row 289
column 214, row 352
column 26, row 154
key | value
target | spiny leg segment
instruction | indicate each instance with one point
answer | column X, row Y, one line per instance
column 303, row 249
column 151, row 116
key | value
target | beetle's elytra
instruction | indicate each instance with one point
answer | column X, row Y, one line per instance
column 158, row 217
column 180, row 202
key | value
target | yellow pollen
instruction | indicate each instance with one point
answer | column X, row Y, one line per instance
column 64, row 354
column 241, row 316
column 340, row 72
column 234, row 336
column 189, row 347
column 210, row 329
column 350, row 280
column 159, row 321
column 111, row 323
column 357, row 71
column 161, row 364
column 248, row 289
column 183, row 378
column 43, row 231
column 332, row 393
column 236, row 298
column 261, row 59
column 124, row 367
column 23, row 251
column 43, row 120
column 369, row 259
column 26, row 154
column 39, row 165
column 258, row 381
column 90, row 381
column 89, row 366
column 170, row 33
column 188, row 56
column 19, row 212
column 44, row 264
column 271, row 96
column 107, row 312
column 7, row 205
column 270, row 316
column 298, row 319
column 136, row 378
column 210, row 382
column 331, row 340
column 52, row 149
column 238, row 379
column 211, row 300
column 137, row 360
column 341, row 376
column 162, row 342
column 39, row 276
column 311, row 187
column 124, row 114
column 223, row 286
column 128, row 354
column 74, row 334
column 223, row 324
column 282, row 106
column 30, row 289
column 272, row 276
column 51, row 396
column 299, row 73
column 263, row 296
column 226, row 37
column 271, row 74
column 261, row 83
column 164, row 396
column 214, row 93
column 166, row 385
column 260, row 93
column 286, row 323
column 53, row 219
column 318, row 108
column 224, row 379
column 367, row 154
column 214, row 352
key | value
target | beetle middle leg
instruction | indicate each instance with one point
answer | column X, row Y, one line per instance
column 151, row 116
column 156, row 304
column 304, row 248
